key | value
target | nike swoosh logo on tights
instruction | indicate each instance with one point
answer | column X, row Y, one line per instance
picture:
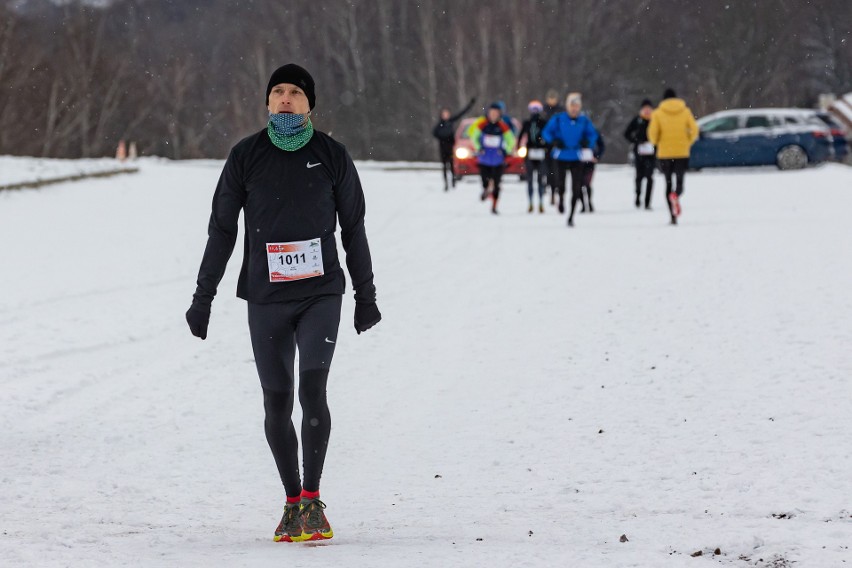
column 327, row 340
column 310, row 165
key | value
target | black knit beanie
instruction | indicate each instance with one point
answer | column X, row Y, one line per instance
column 646, row 102
column 295, row 75
column 669, row 94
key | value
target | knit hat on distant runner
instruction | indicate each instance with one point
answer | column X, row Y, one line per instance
column 535, row 106
column 573, row 98
column 646, row 102
column 295, row 75
column 669, row 94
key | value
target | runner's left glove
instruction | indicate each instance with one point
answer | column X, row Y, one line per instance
column 198, row 316
column 366, row 316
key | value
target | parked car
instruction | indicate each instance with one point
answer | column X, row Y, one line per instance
column 788, row 138
column 465, row 159
column 841, row 143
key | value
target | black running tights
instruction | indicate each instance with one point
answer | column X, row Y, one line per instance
column 276, row 331
column 676, row 167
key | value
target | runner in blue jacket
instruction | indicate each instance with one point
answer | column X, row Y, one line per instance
column 568, row 131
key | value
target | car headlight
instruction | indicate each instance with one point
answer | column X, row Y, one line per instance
column 522, row 152
column 462, row 153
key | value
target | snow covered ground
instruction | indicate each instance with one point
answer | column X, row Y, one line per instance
column 533, row 393
column 15, row 170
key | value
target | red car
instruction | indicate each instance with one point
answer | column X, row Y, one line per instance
column 464, row 158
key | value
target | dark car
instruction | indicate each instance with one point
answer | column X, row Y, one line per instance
column 465, row 163
column 787, row 138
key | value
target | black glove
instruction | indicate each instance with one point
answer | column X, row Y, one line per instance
column 558, row 143
column 366, row 316
column 198, row 316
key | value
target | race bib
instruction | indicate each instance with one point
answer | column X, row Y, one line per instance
column 645, row 149
column 535, row 153
column 294, row 261
column 586, row 155
column 492, row 141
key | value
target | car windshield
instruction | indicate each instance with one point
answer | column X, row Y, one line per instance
column 721, row 124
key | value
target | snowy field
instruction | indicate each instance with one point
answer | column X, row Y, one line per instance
column 533, row 393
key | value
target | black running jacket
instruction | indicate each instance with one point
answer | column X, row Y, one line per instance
column 287, row 196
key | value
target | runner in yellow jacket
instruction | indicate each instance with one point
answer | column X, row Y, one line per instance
column 673, row 130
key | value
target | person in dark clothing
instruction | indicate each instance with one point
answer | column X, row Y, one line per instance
column 293, row 185
column 644, row 153
column 445, row 132
column 536, row 151
column 567, row 132
column 551, row 108
column 492, row 141
column 589, row 172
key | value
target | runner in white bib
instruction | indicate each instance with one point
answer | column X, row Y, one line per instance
column 293, row 186
column 644, row 153
column 530, row 137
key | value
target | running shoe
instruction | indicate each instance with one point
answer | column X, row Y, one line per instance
column 314, row 524
column 290, row 527
column 541, row 207
column 675, row 204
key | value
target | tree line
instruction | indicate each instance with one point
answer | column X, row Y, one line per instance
column 186, row 78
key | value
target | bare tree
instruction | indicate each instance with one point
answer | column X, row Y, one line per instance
column 171, row 76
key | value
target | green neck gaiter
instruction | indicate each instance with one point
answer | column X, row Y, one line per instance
column 288, row 136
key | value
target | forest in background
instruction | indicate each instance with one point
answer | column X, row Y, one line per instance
column 186, row 78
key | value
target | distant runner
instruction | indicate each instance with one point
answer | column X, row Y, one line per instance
column 644, row 153
column 445, row 132
column 492, row 141
column 536, row 152
column 673, row 130
column 567, row 132
column 551, row 108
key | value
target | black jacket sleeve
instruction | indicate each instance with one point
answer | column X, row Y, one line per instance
column 228, row 200
column 630, row 132
column 525, row 129
column 461, row 113
column 349, row 199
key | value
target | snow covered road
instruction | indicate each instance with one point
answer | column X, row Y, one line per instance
column 533, row 393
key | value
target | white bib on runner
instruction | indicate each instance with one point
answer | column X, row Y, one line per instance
column 535, row 153
column 296, row 260
column 586, row 155
column 492, row 141
column 645, row 149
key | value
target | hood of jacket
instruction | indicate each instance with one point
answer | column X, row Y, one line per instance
column 673, row 106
